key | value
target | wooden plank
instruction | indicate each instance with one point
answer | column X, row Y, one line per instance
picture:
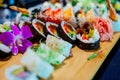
column 74, row 68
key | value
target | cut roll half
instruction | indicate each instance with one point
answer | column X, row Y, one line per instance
column 52, row 29
column 67, row 32
column 88, row 38
column 39, row 26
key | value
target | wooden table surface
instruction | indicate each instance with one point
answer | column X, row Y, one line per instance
column 74, row 68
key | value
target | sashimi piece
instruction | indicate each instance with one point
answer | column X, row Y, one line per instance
column 104, row 27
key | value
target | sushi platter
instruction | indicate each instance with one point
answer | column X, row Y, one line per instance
column 58, row 41
column 75, row 68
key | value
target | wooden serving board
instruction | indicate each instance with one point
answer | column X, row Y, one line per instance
column 74, row 68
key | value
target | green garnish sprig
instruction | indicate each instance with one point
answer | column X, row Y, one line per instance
column 94, row 55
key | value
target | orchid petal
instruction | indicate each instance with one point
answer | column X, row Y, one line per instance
column 6, row 38
column 26, row 32
column 15, row 29
column 14, row 49
column 25, row 45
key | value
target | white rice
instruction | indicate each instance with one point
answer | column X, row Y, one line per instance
column 93, row 39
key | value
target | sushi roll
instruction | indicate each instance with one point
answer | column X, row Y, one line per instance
column 49, row 55
column 39, row 27
column 59, row 45
column 18, row 72
column 67, row 32
column 5, row 52
column 37, row 65
column 88, row 37
column 51, row 28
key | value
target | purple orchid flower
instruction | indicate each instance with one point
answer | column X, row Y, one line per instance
column 17, row 39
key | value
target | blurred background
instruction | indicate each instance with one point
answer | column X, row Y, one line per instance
column 8, row 15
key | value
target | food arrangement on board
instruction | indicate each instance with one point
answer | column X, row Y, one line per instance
column 47, row 34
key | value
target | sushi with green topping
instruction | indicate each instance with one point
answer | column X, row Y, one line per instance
column 35, row 64
column 49, row 55
column 67, row 32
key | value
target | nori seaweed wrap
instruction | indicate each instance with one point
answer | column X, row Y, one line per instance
column 40, row 32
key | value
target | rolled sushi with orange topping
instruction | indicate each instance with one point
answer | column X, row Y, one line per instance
column 88, row 37
column 51, row 28
column 67, row 32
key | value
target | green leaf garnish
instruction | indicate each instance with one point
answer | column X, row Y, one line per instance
column 92, row 56
column 90, row 34
column 25, row 15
